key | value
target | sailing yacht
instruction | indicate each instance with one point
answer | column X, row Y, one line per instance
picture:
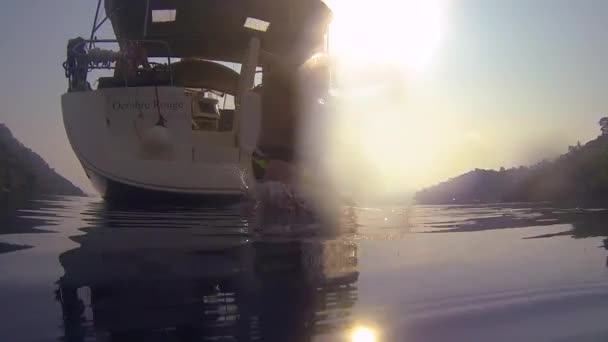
column 173, row 118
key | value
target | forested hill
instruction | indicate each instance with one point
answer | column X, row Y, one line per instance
column 24, row 174
column 578, row 177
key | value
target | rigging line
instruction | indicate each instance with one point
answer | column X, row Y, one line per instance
column 161, row 119
column 94, row 24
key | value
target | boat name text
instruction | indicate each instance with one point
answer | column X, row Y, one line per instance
column 147, row 105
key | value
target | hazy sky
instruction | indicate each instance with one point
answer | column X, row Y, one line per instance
column 517, row 79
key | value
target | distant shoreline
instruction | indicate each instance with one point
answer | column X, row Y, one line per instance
column 577, row 178
column 24, row 174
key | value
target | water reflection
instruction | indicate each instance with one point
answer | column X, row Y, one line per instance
column 182, row 273
column 584, row 223
column 14, row 219
column 198, row 274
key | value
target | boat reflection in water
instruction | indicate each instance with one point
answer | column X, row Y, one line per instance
column 194, row 275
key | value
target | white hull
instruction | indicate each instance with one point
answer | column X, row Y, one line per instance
column 109, row 132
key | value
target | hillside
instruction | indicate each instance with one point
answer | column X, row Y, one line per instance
column 578, row 177
column 24, row 174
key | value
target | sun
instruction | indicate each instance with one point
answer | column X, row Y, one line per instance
column 363, row 334
column 398, row 32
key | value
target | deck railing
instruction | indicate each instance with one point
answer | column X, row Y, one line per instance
column 83, row 56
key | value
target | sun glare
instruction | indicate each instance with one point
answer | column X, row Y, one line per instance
column 378, row 140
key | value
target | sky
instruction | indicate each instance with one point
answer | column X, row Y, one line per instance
column 509, row 83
